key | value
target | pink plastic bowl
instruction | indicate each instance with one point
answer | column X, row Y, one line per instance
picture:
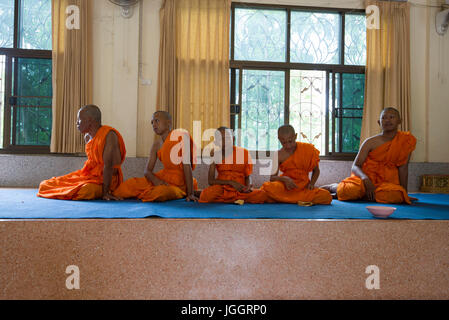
column 381, row 212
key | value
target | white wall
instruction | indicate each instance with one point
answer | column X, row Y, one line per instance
column 430, row 84
column 149, row 72
column 438, row 114
column 128, row 103
column 115, row 65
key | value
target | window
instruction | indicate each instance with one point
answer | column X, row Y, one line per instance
column 25, row 75
column 298, row 66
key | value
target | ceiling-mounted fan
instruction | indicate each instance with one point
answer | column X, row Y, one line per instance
column 127, row 6
column 442, row 21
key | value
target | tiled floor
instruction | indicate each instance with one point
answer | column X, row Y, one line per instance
column 224, row 259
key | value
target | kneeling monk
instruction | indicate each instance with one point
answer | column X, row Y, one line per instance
column 296, row 160
column 175, row 180
column 101, row 173
column 234, row 167
column 380, row 170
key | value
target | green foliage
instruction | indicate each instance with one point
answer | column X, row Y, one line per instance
column 6, row 23
column 32, row 78
column 355, row 39
column 263, row 113
column 315, row 37
column 260, row 36
column 36, row 25
column 353, row 101
column 33, row 124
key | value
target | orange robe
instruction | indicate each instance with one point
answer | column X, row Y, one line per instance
column 172, row 173
column 232, row 170
column 381, row 166
column 87, row 183
column 297, row 166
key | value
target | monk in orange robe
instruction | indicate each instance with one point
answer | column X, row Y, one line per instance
column 234, row 167
column 102, row 171
column 296, row 160
column 175, row 180
column 380, row 170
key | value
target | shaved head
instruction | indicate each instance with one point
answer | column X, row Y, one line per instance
column 286, row 130
column 164, row 114
column 223, row 129
column 390, row 109
column 93, row 112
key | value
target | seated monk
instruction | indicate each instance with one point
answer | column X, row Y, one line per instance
column 380, row 170
column 175, row 180
column 102, row 171
column 234, row 167
column 296, row 160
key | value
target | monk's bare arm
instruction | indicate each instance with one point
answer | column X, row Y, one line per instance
column 403, row 174
column 365, row 149
column 211, row 174
column 149, row 175
column 275, row 175
column 360, row 160
column 248, row 181
column 288, row 182
column 111, row 158
column 188, row 177
column 213, row 181
column 314, row 178
column 248, row 185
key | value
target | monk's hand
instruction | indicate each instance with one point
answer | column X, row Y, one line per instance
column 311, row 186
column 238, row 186
column 109, row 196
column 191, row 197
column 247, row 189
column 370, row 189
column 413, row 198
column 159, row 182
column 289, row 183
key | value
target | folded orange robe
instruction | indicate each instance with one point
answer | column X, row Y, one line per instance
column 297, row 166
column 232, row 170
column 87, row 183
column 381, row 166
column 172, row 173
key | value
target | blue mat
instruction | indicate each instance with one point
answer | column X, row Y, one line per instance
column 23, row 204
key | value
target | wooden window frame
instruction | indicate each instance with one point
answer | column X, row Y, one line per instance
column 10, row 54
column 288, row 65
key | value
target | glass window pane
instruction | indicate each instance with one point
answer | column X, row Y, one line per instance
column 35, row 24
column 337, row 120
column 262, row 108
column 353, row 90
column 234, row 76
column 33, row 77
column 315, row 37
column 355, row 39
column 2, row 96
column 331, row 123
column 6, row 23
column 308, row 106
column 352, row 112
column 31, row 117
column 351, row 134
column 260, row 35
column 33, row 126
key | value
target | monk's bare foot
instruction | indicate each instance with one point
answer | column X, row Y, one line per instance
column 197, row 193
column 332, row 188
